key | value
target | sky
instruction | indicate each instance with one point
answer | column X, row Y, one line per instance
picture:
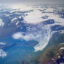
column 31, row 2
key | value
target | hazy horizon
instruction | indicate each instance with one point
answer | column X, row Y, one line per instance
column 30, row 2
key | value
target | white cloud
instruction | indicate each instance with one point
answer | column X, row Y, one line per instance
column 2, row 53
column 43, row 41
column 36, row 15
column 13, row 19
column 19, row 35
column 56, row 18
column 2, row 43
column 20, row 7
column 49, row 10
column 33, row 17
column 62, row 48
column 1, row 23
column 41, row 37
column 45, row 34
